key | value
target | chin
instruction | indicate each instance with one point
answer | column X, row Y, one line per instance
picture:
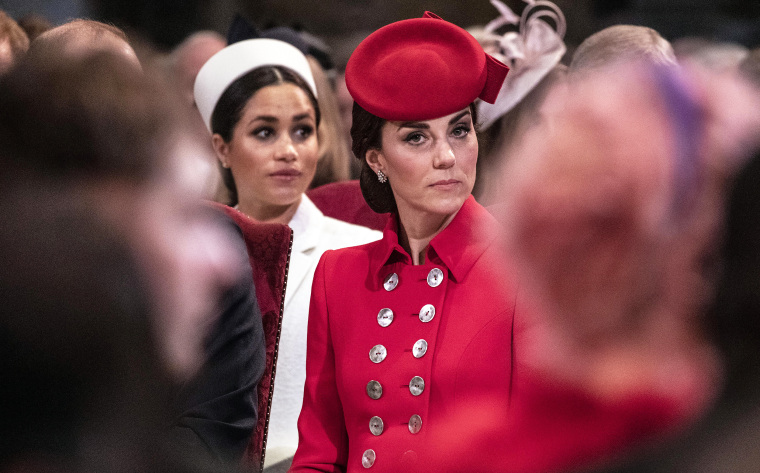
column 286, row 199
column 447, row 206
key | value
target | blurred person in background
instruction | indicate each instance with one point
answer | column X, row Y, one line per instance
column 533, row 53
column 620, row 44
column 79, row 38
column 13, row 42
column 34, row 25
column 183, row 64
column 334, row 154
column 258, row 99
column 190, row 55
column 718, row 57
column 750, row 67
column 612, row 218
column 113, row 272
column 345, row 107
column 727, row 436
column 216, row 409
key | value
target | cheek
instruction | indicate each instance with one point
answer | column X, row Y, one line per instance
column 247, row 155
column 467, row 154
column 308, row 152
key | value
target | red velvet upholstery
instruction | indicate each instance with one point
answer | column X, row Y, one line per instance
column 269, row 246
column 343, row 200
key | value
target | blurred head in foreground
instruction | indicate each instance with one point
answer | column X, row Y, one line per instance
column 613, row 209
column 112, row 269
column 13, row 42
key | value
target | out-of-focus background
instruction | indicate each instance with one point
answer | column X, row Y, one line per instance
column 343, row 23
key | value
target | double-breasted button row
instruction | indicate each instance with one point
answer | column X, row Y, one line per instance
column 434, row 279
column 385, row 316
column 375, row 389
column 378, row 353
column 376, row 426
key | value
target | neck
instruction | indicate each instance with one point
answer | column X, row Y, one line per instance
column 269, row 213
column 417, row 229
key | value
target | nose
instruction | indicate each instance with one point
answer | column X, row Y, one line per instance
column 286, row 150
column 444, row 156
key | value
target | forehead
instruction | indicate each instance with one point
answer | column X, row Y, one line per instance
column 282, row 98
column 441, row 121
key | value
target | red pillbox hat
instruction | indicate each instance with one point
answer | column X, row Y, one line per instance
column 421, row 69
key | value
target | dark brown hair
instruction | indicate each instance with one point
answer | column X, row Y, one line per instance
column 229, row 108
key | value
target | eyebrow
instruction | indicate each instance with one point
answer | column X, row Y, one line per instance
column 271, row 119
column 425, row 126
column 302, row 116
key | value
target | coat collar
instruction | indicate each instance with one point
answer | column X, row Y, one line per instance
column 457, row 247
column 308, row 225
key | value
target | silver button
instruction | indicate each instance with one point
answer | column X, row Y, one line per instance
column 416, row 386
column 391, row 281
column 427, row 313
column 420, row 348
column 378, row 353
column 435, row 277
column 415, row 424
column 374, row 389
column 376, row 425
column 368, row 459
column 385, row 317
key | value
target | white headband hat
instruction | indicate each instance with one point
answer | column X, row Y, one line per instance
column 531, row 52
column 236, row 60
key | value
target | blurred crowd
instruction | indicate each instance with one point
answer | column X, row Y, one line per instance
column 624, row 171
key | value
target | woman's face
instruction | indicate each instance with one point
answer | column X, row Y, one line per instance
column 430, row 164
column 273, row 152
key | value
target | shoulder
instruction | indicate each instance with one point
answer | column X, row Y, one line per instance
column 343, row 234
column 349, row 259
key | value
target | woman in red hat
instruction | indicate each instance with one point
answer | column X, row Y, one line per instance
column 408, row 334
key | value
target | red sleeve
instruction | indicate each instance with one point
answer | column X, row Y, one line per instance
column 323, row 441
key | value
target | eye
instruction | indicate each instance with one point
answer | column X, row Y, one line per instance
column 415, row 138
column 461, row 130
column 263, row 133
column 303, row 132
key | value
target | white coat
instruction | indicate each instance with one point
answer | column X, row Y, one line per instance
column 313, row 234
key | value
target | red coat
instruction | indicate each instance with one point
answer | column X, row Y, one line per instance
column 468, row 361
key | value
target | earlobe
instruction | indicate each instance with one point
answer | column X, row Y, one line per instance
column 222, row 149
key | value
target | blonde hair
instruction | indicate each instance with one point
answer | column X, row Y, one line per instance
column 334, row 153
column 621, row 43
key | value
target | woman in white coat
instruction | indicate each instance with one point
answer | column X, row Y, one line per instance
column 258, row 99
